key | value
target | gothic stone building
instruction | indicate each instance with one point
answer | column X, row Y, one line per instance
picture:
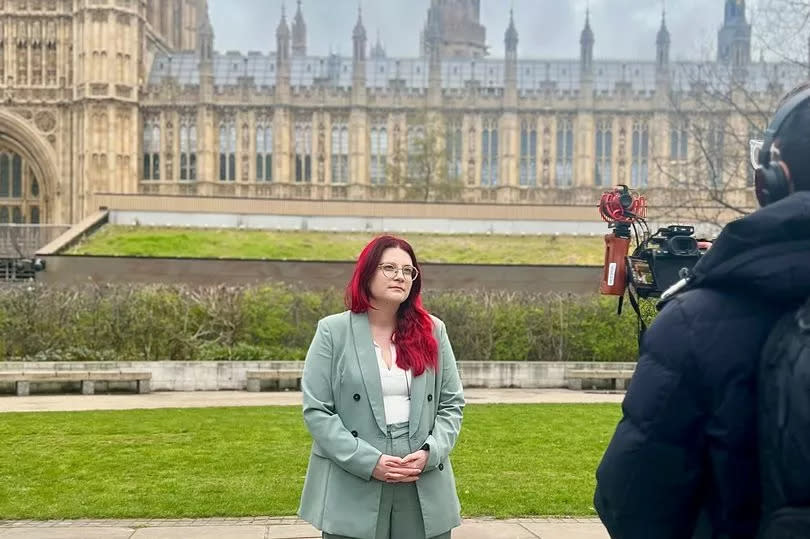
column 130, row 97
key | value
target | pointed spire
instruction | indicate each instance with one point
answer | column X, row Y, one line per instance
column 205, row 33
column 511, row 37
column 359, row 29
column 734, row 37
column 283, row 37
column 359, row 36
column 432, row 40
column 587, row 34
column 299, row 33
column 378, row 50
column 662, row 42
column 283, row 29
column 663, row 32
column 586, row 42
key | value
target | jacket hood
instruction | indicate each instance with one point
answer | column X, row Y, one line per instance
column 766, row 253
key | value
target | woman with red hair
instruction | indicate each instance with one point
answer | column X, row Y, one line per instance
column 383, row 403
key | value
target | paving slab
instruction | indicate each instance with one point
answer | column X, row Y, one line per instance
column 568, row 529
column 492, row 529
column 202, row 532
column 294, row 531
column 282, row 528
column 73, row 532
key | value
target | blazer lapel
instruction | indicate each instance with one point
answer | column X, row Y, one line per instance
column 369, row 369
column 418, row 390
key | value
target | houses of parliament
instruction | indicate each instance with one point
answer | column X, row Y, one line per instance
column 131, row 97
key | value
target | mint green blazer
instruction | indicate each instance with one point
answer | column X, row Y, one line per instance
column 344, row 413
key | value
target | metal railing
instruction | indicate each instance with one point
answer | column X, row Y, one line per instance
column 23, row 241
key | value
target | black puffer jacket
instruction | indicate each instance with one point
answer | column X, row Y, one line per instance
column 683, row 460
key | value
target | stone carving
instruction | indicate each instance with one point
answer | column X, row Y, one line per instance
column 45, row 121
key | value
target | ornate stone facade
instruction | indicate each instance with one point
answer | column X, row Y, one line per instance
column 129, row 96
column 71, row 75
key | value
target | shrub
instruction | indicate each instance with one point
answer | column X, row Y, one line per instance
column 277, row 322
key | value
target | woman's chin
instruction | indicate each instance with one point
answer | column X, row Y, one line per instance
column 392, row 297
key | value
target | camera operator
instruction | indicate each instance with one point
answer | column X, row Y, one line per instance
column 683, row 462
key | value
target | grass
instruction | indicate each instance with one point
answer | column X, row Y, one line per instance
column 511, row 460
column 326, row 246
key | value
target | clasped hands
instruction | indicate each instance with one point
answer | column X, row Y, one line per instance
column 400, row 470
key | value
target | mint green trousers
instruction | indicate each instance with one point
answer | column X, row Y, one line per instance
column 400, row 515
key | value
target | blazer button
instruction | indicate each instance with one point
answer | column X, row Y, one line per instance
column 430, row 432
column 441, row 467
column 430, row 397
column 356, row 396
column 354, row 433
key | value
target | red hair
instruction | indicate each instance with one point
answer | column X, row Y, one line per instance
column 417, row 348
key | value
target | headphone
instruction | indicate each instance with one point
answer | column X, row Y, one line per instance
column 772, row 180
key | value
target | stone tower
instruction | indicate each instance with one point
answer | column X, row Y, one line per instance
column 461, row 34
column 734, row 38
column 299, row 33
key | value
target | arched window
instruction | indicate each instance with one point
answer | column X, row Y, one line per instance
column 417, row 154
column 528, row 153
column 639, row 171
column 340, row 152
column 453, row 143
column 715, row 150
column 679, row 151
column 489, row 154
column 227, row 151
column 188, row 149
column 151, row 149
column 264, row 151
column 19, row 190
column 303, row 152
column 379, row 154
column 603, row 173
column 565, row 153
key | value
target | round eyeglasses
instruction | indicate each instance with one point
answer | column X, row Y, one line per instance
column 391, row 271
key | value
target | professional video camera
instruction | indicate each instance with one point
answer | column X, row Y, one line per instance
column 664, row 259
column 659, row 260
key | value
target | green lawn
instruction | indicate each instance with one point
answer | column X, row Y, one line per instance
column 511, row 460
column 291, row 245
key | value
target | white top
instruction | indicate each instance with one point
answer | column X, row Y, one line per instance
column 396, row 384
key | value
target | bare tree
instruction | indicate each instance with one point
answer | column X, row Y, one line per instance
column 421, row 166
column 713, row 115
column 715, row 109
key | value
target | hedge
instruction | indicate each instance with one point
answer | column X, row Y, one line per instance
column 277, row 322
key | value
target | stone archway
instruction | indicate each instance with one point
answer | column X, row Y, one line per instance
column 28, row 173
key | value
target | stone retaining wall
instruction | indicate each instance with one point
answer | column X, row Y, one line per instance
column 232, row 375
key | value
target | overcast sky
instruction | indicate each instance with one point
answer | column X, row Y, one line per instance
column 624, row 29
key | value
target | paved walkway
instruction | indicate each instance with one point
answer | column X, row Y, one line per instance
column 205, row 399
column 281, row 528
column 273, row 527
